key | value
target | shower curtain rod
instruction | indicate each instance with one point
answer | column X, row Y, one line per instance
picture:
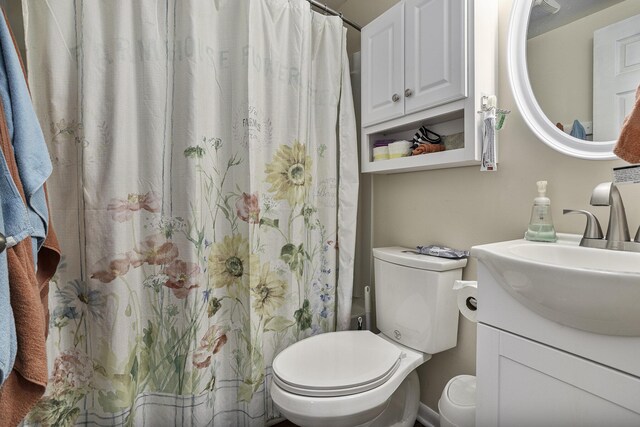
column 330, row 11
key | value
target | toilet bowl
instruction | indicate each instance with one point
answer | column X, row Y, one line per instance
column 357, row 378
column 364, row 380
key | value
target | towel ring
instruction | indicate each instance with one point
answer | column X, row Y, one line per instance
column 3, row 243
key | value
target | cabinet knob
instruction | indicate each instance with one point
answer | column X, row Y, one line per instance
column 408, row 92
column 395, row 97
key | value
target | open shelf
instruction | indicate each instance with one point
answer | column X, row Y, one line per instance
column 450, row 121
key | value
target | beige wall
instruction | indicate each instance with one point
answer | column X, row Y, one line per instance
column 463, row 207
column 560, row 64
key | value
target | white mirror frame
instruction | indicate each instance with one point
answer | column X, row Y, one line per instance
column 533, row 115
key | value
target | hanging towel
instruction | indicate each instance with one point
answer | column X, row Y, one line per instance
column 29, row 300
column 628, row 145
column 32, row 157
column 29, row 376
column 15, row 226
column 577, row 131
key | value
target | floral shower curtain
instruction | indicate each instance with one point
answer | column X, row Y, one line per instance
column 205, row 165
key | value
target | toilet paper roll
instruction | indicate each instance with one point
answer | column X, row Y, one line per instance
column 467, row 291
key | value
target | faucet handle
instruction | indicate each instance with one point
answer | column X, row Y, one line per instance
column 592, row 230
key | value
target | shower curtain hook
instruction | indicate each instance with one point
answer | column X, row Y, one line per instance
column 326, row 9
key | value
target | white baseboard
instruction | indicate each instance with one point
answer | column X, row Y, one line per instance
column 427, row 416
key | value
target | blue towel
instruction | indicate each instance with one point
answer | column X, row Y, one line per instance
column 8, row 341
column 577, row 131
column 32, row 157
column 14, row 225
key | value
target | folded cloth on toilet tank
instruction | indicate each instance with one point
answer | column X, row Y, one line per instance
column 442, row 251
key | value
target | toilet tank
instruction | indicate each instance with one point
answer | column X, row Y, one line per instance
column 415, row 301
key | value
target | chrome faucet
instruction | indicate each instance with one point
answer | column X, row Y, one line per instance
column 617, row 237
column 607, row 194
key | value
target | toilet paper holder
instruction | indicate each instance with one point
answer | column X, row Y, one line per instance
column 470, row 302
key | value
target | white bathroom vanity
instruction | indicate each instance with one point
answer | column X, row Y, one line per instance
column 539, row 361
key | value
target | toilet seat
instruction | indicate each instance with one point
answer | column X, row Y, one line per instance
column 336, row 364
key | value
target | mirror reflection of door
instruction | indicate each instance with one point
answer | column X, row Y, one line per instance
column 616, row 75
column 561, row 62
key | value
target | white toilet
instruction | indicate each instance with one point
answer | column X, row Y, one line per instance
column 356, row 378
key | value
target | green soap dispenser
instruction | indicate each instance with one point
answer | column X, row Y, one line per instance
column 541, row 224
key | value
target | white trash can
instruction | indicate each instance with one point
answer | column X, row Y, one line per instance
column 457, row 406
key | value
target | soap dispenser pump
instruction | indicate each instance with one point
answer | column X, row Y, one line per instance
column 541, row 224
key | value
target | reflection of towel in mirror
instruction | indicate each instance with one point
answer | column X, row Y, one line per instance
column 628, row 146
column 577, row 131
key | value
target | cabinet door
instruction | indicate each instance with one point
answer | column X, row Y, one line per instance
column 382, row 67
column 524, row 383
column 435, row 52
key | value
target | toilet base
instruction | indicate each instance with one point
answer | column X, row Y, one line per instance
column 362, row 419
column 400, row 410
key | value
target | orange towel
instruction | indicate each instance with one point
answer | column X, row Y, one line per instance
column 628, row 146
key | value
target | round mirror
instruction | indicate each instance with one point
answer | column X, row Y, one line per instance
column 574, row 66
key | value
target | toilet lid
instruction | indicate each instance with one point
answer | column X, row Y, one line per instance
column 336, row 364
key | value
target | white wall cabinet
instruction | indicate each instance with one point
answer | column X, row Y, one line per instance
column 415, row 58
column 421, row 66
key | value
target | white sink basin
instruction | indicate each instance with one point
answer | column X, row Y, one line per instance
column 595, row 290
